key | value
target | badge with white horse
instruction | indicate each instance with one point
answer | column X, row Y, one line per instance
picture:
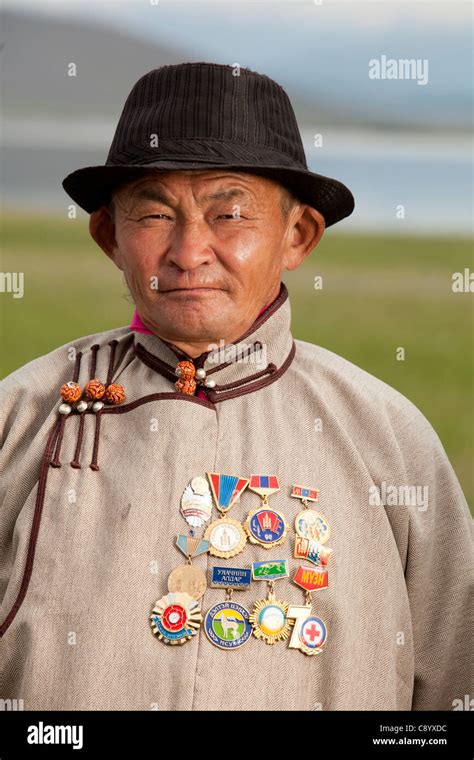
column 227, row 624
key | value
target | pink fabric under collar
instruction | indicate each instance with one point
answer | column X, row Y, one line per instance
column 137, row 324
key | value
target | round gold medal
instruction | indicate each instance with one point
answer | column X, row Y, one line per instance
column 269, row 620
column 188, row 578
column 226, row 538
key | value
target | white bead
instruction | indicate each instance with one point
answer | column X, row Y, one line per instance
column 177, row 372
column 97, row 406
column 210, row 383
column 81, row 406
column 64, row 409
column 200, row 374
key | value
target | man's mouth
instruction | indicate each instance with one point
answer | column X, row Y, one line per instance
column 203, row 289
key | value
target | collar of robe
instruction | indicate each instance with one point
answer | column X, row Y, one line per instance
column 259, row 357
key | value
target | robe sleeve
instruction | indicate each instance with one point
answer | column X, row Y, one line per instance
column 438, row 575
column 26, row 402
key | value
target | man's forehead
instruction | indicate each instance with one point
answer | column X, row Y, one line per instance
column 219, row 184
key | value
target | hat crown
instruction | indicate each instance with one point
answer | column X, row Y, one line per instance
column 206, row 107
column 208, row 116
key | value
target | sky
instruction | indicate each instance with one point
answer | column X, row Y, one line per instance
column 310, row 47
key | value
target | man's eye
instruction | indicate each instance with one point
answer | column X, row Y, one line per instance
column 153, row 216
column 229, row 216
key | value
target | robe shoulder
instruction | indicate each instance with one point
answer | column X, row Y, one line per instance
column 355, row 395
column 395, row 439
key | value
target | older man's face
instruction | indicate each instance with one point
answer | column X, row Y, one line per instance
column 202, row 252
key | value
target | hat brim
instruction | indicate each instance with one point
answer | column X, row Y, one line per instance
column 91, row 187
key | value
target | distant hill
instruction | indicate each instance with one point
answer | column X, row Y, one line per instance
column 36, row 51
column 35, row 55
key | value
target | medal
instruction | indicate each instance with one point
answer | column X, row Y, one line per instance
column 190, row 546
column 308, row 523
column 269, row 618
column 311, row 578
column 196, row 502
column 196, row 507
column 189, row 578
column 272, row 569
column 309, row 632
column 264, row 526
column 226, row 536
column 230, row 578
column 176, row 618
column 227, row 623
column 313, row 551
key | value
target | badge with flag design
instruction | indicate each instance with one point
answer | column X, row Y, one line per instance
column 264, row 485
column 265, row 526
column 226, row 489
column 305, row 494
column 226, row 536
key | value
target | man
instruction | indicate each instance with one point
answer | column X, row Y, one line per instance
column 206, row 430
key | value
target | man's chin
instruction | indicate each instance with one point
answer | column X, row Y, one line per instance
column 187, row 320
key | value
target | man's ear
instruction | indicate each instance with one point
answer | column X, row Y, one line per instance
column 102, row 230
column 304, row 232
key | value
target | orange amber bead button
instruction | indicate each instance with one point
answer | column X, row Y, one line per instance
column 70, row 392
column 94, row 390
column 114, row 394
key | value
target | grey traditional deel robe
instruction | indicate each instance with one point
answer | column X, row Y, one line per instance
column 86, row 551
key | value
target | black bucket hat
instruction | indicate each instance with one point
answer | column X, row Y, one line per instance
column 209, row 116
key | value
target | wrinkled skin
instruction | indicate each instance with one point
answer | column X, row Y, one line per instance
column 200, row 269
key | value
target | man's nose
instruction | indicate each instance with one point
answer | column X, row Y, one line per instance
column 192, row 245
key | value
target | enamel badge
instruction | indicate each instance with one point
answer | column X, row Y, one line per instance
column 176, row 618
column 227, row 625
column 313, row 551
column 312, row 525
column 308, row 523
column 271, row 570
column 270, row 621
column 196, row 502
column 265, row 526
column 226, row 489
column 305, row 494
column 226, row 536
column 237, row 578
column 309, row 632
column 269, row 618
column 311, row 578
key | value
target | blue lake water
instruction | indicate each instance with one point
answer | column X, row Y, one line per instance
column 431, row 176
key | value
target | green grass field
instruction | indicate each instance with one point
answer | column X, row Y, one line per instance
column 379, row 293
